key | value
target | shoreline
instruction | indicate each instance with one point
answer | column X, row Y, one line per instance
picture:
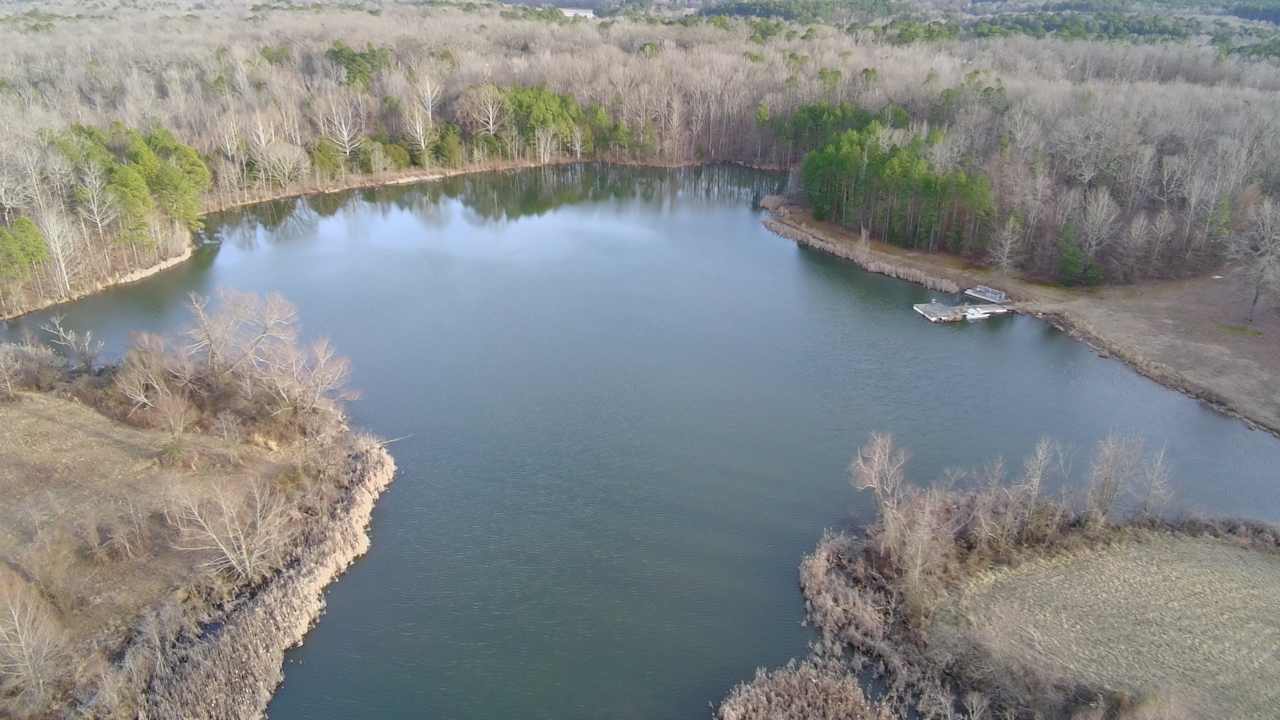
column 230, row 664
column 1048, row 303
column 914, row 667
column 353, row 182
column 413, row 177
column 189, row 250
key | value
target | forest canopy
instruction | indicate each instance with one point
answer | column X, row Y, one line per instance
column 1082, row 141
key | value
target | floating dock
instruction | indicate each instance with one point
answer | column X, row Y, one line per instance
column 991, row 295
column 937, row 312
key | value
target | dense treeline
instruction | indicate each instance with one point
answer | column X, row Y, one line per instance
column 1066, row 26
column 84, row 206
column 1081, row 205
column 806, row 11
column 1268, row 11
column 1080, row 161
column 1132, row 22
column 889, row 184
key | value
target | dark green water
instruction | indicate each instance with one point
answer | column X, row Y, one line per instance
column 630, row 410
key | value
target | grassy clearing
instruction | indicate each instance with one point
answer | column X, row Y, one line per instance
column 1194, row 619
column 984, row 597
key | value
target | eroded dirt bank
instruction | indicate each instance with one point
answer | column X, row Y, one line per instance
column 1188, row 335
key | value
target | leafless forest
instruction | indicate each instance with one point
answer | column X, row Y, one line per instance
column 1153, row 160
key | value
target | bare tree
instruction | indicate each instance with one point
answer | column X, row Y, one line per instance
column 81, row 348
column 176, row 412
column 303, row 380
column 1100, row 214
column 1005, row 245
column 342, row 120
column 428, row 91
column 96, row 204
column 283, row 163
column 547, row 141
column 15, row 188
column 1258, row 252
column 976, row 706
column 234, row 336
column 421, row 131
column 60, row 239
column 878, row 467
column 246, row 537
column 1117, row 463
column 9, row 369
column 1153, row 491
column 1161, row 231
column 33, row 644
column 483, row 109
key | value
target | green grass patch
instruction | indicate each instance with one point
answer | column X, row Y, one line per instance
column 1244, row 330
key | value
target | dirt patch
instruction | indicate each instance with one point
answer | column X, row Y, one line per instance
column 1190, row 335
column 1197, row 619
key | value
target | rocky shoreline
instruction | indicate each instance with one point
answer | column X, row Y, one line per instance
column 226, row 664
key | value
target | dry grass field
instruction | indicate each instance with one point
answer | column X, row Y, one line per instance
column 83, row 519
column 1195, row 620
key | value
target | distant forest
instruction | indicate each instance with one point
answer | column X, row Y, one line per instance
column 1082, row 145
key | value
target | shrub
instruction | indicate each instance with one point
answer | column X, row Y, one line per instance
column 33, row 647
column 804, row 691
column 878, row 593
column 242, row 367
column 326, row 158
column 448, row 148
column 397, row 155
column 28, row 367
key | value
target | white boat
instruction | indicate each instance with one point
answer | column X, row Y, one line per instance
column 976, row 314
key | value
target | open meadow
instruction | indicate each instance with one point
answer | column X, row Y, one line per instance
column 1193, row 620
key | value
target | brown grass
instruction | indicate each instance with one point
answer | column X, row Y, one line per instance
column 801, row 691
column 146, row 499
column 83, row 522
column 1000, row 602
column 1196, row 618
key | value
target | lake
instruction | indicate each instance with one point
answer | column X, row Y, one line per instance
column 626, row 411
